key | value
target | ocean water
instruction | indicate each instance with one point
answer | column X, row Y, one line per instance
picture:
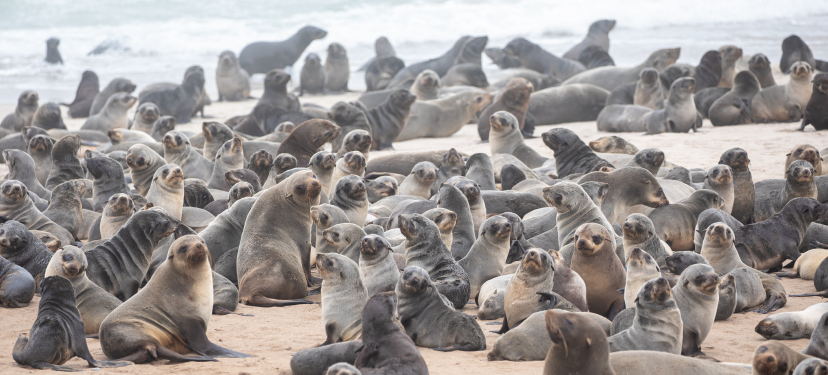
column 159, row 39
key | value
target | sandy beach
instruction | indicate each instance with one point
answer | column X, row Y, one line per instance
column 272, row 335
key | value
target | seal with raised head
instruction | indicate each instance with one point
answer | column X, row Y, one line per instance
column 506, row 138
column 387, row 348
column 515, row 100
column 429, row 319
column 119, row 208
column 377, row 269
column 232, row 81
column 155, row 324
column 337, row 70
column 167, row 190
column 639, row 232
column 65, row 163
column 774, row 357
column 657, row 325
column 350, row 195
column 109, row 179
column 307, row 138
column 40, row 149
column 52, row 53
column 230, row 156
column 808, row 153
column 816, row 112
column 261, row 57
column 16, row 204
column 773, row 195
column 312, row 76
column 350, row 118
column 22, row 168
column 343, row 297
column 594, row 252
column 784, row 103
column 177, row 150
column 487, row 257
column 181, row 101
column 143, row 162
column 463, row 234
column 145, row 117
column 720, row 179
column 572, row 155
column 113, row 115
column 697, row 296
column 641, row 267
column 676, row 223
column 65, row 207
column 733, row 108
column 760, row 66
column 794, row 50
column 529, row 290
column 730, row 54
column 743, row 188
column 23, row 113
column 648, row 90
column 274, row 262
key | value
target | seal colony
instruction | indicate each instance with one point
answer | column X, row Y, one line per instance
column 314, row 209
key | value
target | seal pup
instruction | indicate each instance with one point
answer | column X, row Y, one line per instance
column 806, row 265
column 817, row 344
column 648, row 90
column 586, row 339
column 572, row 155
column 771, row 197
column 352, row 163
column 177, row 150
column 379, row 188
column 343, row 297
column 794, row 50
column 119, row 208
column 424, row 248
column 337, row 70
column 356, row 131
column 639, row 232
column 113, row 115
column 529, row 289
column 720, row 179
column 733, row 108
column 125, row 332
column 17, row 286
column 427, row 85
column 675, row 223
column 65, row 163
column 814, row 366
column 612, row 77
column 261, row 57
column 350, row 196
column 281, row 164
column 446, row 220
column 463, row 235
column 730, row 54
column 793, row 325
column 808, row 153
column 381, row 70
column 167, row 190
column 743, row 189
column 307, row 138
column 57, row 334
column 696, row 294
column 143, row 162
column 40, row 149
column 387, row 348
column 232, row 81
column 230, row 156
column 593, row 251
column 23, row 113
column 613, row 145
column 88, row 88
column 816, row 112
column 574, row 208
column 784, row 103
column 22, row 168
column 238, row 191
column 65, row 207
column 450, row 167
column 343, row 239
column 109, row 179
column 657, row 325
column 774, row 357
column 515, row 100
column 760, row 66
column 429, row 320
column 419, row 181
column 506, row 138
column 261, row 162
column 16, row 204
column 92, row 301
column 479, row 169
column 115, row 86
column 641, row 267
column 312, row 76
column 48, row 117
column 377, row 269
column 487, row 257
column 52, row 53
column 21, row 247
column 442, row 117
column 533, row 56
column 325, row 216
column 263, row 248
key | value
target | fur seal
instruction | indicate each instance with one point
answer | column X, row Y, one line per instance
column 641, row 267
column 232, row 81
column 774, row 357
column 696, row 294
column 593, row 251
column 784, row 103
column 419, row 180
column 143, row 162
column 350, row 196
column 730, row 54
column 513, row 99
column 709, row 71
column 463, row 234
column 487, row 257
column 657, row 325
column 40, row 149
column 261, row 57
column 307, row 138
column 229, row 157
column 312, row 75
column 814, row 366
column 181, row 101
column 771, row 196
column 381, row 187
column 23, row 113
column 733, row 108
column 597, row 35
column 640, row 232
column 352, row 163
column 534, row 57
column 263, row 248
column 760, row 66
column 337, row 70
column 794, row 50
column 343, row 297
column 648, row 90
column 109, row 179
column 675, row 223
column 611, row 77
column 317, row 360
column 15, row 204
column 387, row 348
column 65, row 207
column 343, row 239
column 350, row 119
column 126, row 332
column 377, row 269
column 792, row 325
column 112, row 114
column 613, row 145
column 572, row 155
column 439, row 64
column 17, row 286
column 479, row 169
column 570, row 103
column 57, row 334
column 808, row 153
column 630, row 182
column 442, row 117
column 528, row 291
column 429, row 320
column 21, row 247
column 426, row 86
column 93, row 302
column 119, row 208
column 65, row 163
column 22, row 168
column 506, row 138
column 743, row 188
column 586, row 339
column 167, row 190
column 196, row 195
column 115, row 86
column 48, row 117
column 574, row 208
column 816, row 113
column 52, row 53
column 177, row 150
column 466, row 74
column 720, row 179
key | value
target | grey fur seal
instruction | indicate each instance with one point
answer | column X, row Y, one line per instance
column 657, row 325
column 515, row 100
column 440, row 64
column 261, row 57
column 305, row 141
column 113, row 114
column 675, row 223
column 696, row 294
column 23, row 113
column 641, row 268
column 387, row 348
column 381, row 70
column 426, row 86
column 119, row 208
column 733, row 108
column 48, row 117
column 795, row 49
column 419, row 180
column 181, row 101
column 350, row 196
column 463, row 234
column 109, row 179
column 232, row 81
column 167, row 190
column 597, row 35
column 466, row 74
column 21, row 247
column 816, row 113
column 17, row 286
column 229, row 157
column 611, row 77
column 648, row 90
column 349, row 118
column 115, row 86
column 40, row 149
column 429, row 320
column 709, row 71
column 743, row 188
column 312, row 76
column 808, row 153
column 720, row 179
column 570, row 103
column 572, row 155
column 52, row 53
column 506, row 138
column 534, row 57
column 177, row 150
column 773, row 195
column 529, row 289
column 15, row 204
column 343, row 297
column 128, row 331
column 143, row 162
column 337, row 70
column 23, row 168
column 65, row 207
column 343, row 239
column 760, row 66
column 487, row 257
column 442, row 117
column 57, row 334
column 377, row 269
column 784, row 103
column 730, row 54
column 640, row 233
column 479, row 169
column 613, row 145
column 65, row 163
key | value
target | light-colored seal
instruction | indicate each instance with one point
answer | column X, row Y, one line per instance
column 613, row 145
column 696, row 294
column 443, row 117
column 343, row 239
column 377, row 269
column 487, row 257
column 574, row 208
column 784, row 103
column 528, row 291
column 611, row 77
column 641, row 267
column 515, row 100
column 143, row 162
column 113, row 115
column 639, row 232
column 771, row 197
column 356, row 140
column 230, row 156
column 720, row 179
column 657, row 325
column 133, row 330
column 343, row 297
column 350, row 195
column 177, row 150
column 419, row 181
column 808, row 153
column 167, row 189
column 792, row 325
column 23, row 113
column 117, row 212
column 506, row 138
column 115, row 86
column 232, row 81
column 774, row 357
column 352, row 163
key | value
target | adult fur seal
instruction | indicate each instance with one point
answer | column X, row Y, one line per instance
column 17, row 286
column 506, row 138
column 52, row 53
column 657, row 325
column 611, row 77
column 816, row 112
column 678, row 116
column 675, row 223
column 113, row 114
column 57, row 334
column 424, row 248
column 648, row 90
column 387, row 348
column 730, row 54
column 733, row 108
column 513, row 99
column 115, row 86
column 597, row 35
column 263, row 248
column 15, row 204
column 92, row 301
column 463, row 235
column 534, row 57
column 772, row 195
column 337, row 70
column 784, row 103
column 429, row 320
column 760, row 66
column 593, row 251
column 23, row 113
column 132, row 331
column 794, row 49
column 709, row 71
column 343, row 297
column 232, row 81
column 440, row 64
column 696, row 294
column 572, row 155
column 307, row 138
column 65, row 163
column 261, row 57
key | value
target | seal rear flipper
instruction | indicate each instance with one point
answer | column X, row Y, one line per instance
column 504, row 328
column 791, row 274
column 262, row 301
column 49, row 366
column 463, row 347
column 196, row 338
column 109, row 364
column 823, row 294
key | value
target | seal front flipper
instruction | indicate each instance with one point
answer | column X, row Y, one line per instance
column 548, row 297
column 366, row 353
column 262, row 301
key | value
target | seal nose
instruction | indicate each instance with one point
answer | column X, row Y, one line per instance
column 582, row 242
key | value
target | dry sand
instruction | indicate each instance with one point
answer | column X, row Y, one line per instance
column 271, row 335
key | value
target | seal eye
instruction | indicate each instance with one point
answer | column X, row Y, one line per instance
column 597, row 240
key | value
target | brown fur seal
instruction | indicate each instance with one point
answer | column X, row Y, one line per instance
column 57, row 334
column 487, row 257
column 93, row 302
column 513, row 99
column 429, row 320
column 177, row 150
column 697, row 296
column 307, row 138
column 574, row 208
column 733, row 108
column 639, row 232
column 776, row 358
column 387, row 348
column 743, row 188
column 65, row 163
column 816, row 112
column 657, row 325
column 40, row 149
column 506, row 138
column 675, row 223
column 23, row 113
column 528, row 291
column 131, row 330
column 593, row 251
column 760, row 66
column 419, row 181
column 377, row 268
column 117, row 212
column 784, row 103
column 343, row 297
column 613, row 145
column 579, row 345
column 805, row 152
column 263, row 248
